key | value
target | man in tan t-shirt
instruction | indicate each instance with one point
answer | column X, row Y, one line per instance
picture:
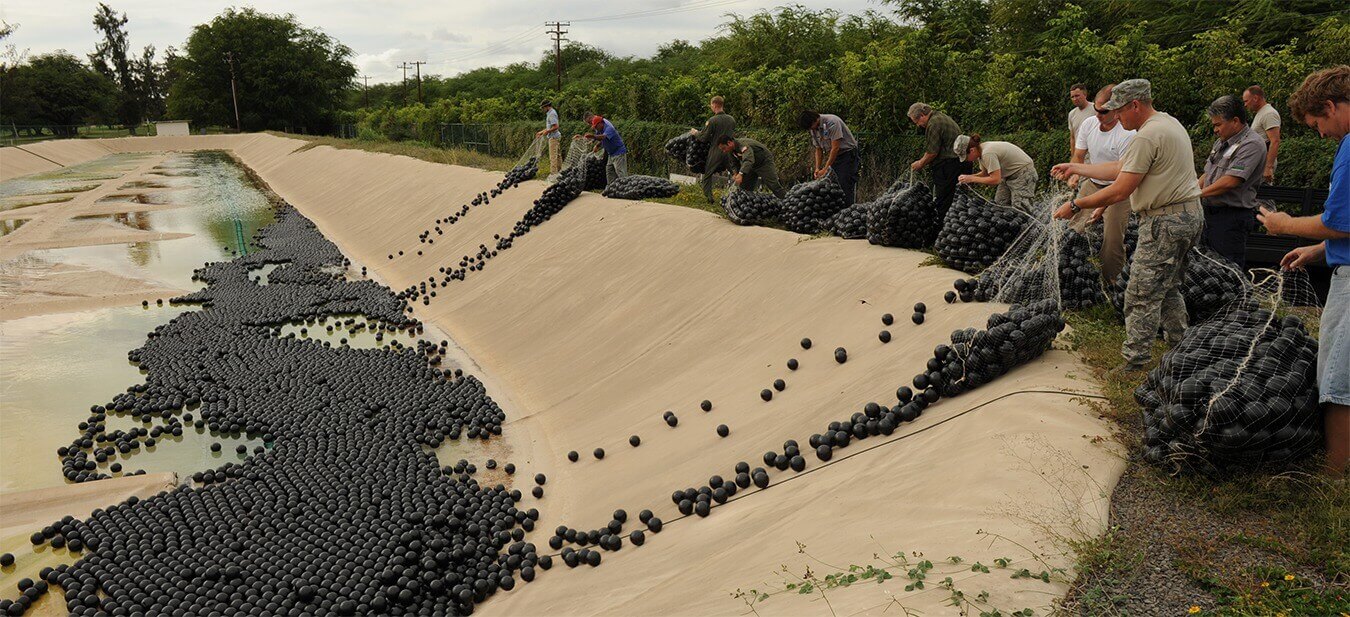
column 1082, row 110
column 1266, row 124
column 1003, row 165
column 1157, row 173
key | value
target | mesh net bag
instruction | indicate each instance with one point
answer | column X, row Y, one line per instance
column 1048, row 259
column 697, row 156
column 1209, row 282
column 1239, row 390
column 751, row 208
column 526, row 168
column 589, row 162
column 678, row 147
column 641, row 187
column 904, row 216
column 976, row 232
column 851, row 222
column 809, row 207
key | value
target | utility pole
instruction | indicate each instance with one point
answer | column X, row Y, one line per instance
column 365, row 91
column 419, row 64
column 234, row 92
column 404, row 91
column 557, row 33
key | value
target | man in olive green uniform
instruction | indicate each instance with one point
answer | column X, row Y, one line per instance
column 751, row 164
column 718, row 126
column 1157, row 173
column 940, row 133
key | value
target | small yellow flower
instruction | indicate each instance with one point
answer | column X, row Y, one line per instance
column 1289, row 577
column 1193, row 609
column 1265, row 584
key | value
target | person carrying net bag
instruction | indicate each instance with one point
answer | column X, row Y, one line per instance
column 1323, row 103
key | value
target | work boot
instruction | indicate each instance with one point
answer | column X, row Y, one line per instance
column 1127, row 371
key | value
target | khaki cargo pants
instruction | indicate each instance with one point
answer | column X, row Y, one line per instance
column 554, row 155
column 1017, row 190
column 1114, row 221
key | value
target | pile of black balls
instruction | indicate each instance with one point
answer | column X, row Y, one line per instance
column 1080, row 281
column 904, row 217
column 851, row 222
column 697, row 156
column 1238, row 391
column 519, row 173
column 641, row 187
column 593, row 171
column 345, row 511
column 809, row 206
column 678, row 147
column 751, row 208
column 976, row 233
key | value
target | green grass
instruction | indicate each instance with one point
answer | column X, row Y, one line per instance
column 691, row 196
column 1309, row 513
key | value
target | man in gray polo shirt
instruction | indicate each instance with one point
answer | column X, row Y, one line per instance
column 1266, row 124
column 832, row 147
column 1228, row 185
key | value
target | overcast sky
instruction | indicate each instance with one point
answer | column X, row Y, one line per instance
column 450, row 36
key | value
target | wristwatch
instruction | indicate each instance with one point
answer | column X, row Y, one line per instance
column 1073, row 207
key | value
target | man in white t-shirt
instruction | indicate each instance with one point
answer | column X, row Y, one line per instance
column 1102, row 139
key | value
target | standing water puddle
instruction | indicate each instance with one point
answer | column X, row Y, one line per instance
column 53, row 368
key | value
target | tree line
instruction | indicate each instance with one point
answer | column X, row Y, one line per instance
column 287, row 76
column 994, row 65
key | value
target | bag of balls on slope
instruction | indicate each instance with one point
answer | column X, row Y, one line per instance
column 809, row 207
column 678, row 147
column 851, row 222
column 976, row 232
column 641, row 187
column 750, row 207
column 1239, row 390
column 904, row 216
column 526, row 168
column 1049, row 260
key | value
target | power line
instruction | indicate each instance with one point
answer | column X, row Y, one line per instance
column 403, row 90
column 418, row 64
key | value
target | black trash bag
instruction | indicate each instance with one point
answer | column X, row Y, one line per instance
column 751, row 208
column 1238, row 391
column 976, row 233
column 904, row 216
column 641, row 187
column 809, row 207
column 851, row 222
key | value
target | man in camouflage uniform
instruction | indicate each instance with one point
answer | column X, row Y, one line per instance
column 720, row 125
column 1157, row 174
column 751, row 163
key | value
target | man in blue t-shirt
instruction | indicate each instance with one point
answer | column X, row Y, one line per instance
column 616, row 165
column 1323, row 103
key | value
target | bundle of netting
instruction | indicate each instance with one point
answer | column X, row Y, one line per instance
column 1209, row 282
column 1240, row 389
column 697, row 157
column 976, row 232
column 977, row 357
column 809, row 206
column 851, row 222
column 751, row 208
column 641, row 187
column 1048, row 260
column 589, row 162
column 526, row 168
column 904, row 216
